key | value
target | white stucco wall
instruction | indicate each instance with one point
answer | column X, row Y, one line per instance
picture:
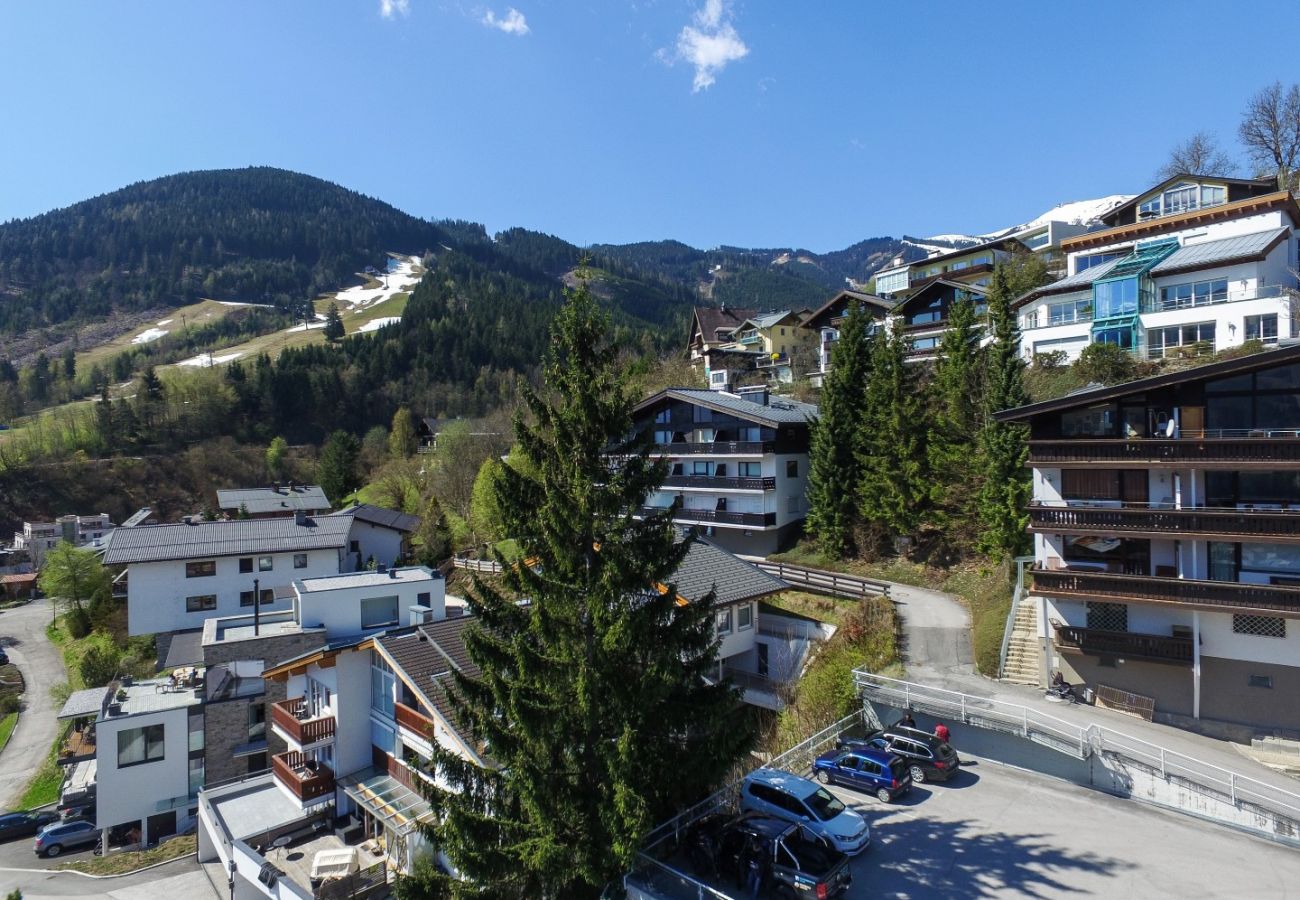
column 383, row 544
column 338, row 610
column 131, row 793
column 740, row 640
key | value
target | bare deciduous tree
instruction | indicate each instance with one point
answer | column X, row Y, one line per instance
column 1270, row 131
column 1200, row 154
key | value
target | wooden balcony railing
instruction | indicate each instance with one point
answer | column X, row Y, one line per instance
column 307, row 779
column 1099, row 642
column 290, row 716
column 1274, row 524
column 723, row 517
column 413, row 720
column 1283, row 447
column 716, row 448
column 720, row 484
column 1157, row 589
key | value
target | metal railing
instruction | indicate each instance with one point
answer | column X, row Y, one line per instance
column 1159, row 519
column 716, row 482
column 1016, row 596
column 719, row 516
column 720, row 448
column 1155, row 588
column 821, row 581
column 1263, row 446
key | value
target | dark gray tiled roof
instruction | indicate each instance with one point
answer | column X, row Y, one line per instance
column 154, row 543
column 427, row 655
column 707, row 566
column 260, row 501
column 778, row 411
column 87, row 702
column 377, row 515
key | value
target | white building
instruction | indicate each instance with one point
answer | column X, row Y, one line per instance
column 1196, row 264
column 38, row 538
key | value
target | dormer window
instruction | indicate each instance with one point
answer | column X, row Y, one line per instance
column 1182, row 197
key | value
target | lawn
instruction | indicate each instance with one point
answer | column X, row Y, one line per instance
column 133, row 860
column 43, row 789
column 7, row 728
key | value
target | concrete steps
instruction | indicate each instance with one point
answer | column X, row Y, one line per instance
column 1024, row 655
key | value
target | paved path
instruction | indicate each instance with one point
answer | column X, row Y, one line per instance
column 936, row 634
column 182, row 880
column 22, row 635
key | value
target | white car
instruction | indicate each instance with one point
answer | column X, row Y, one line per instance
column 804, row 802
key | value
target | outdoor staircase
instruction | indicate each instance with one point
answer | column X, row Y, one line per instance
column 1024, row 654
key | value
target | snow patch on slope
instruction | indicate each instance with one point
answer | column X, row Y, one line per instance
column 400, row 279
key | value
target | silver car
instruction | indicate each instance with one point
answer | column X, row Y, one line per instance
column 54, row 839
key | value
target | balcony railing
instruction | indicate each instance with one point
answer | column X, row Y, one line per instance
column 776, row 359
column 711, row 482
column 1154, row 520
column 1157, row 589
column 1263, row 446
column 1155, row 304
column 413, row 720
column 1099, row 642
column 718, row 448
column 307, row 779
column 721, row 517
column 291, row 717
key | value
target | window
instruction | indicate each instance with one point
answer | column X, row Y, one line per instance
column 381, row 686
column 744, row 617
column 300, row 560
column 1036, row 241
column 662, row 416
column 718, row 377
column 265, row 563
column 378, row 611
column 1162, row 340
column 724, row 622
column 256, row 762
column 1068, row 311
column 204, row 569
column 1108, row 616
column 1199, row 293
column 663, row 436
column 1259, row 626
column 354, row 546
column 1116, row 298
column 701, row 468
column 384, row 737
column 1087, row 261
column 1260, row 681
column 702, row 414
column 139, row 745
column 792, row 468
column 706, row 435
column 201, row 603
column 749, row 470
column 1262, row 328
column 424, row 598
column 256, row 722
column 246, row 597
column 245, row 565
column 752, row 435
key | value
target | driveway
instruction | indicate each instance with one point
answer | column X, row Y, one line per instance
column 22, row 635
column 936, row 634
column 182, row 879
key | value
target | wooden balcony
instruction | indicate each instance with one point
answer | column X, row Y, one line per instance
column 1264, row 449
column 1126, row 644
column 78, row 745
column 1230, row 596
column 290, row 716
column 721, row 517
column 709, row 482
column 1274, row 525
column 413, row 720
column 717, row 448
column 306, row 779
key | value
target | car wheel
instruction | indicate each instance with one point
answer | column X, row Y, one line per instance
column 823, row 776
column 53, row 850
column 918, row 775
column 883, row 795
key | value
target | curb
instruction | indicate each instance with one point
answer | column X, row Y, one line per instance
column 157, row 865
column 17, row 721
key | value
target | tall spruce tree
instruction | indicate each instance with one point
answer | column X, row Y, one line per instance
column 591, row 699
column 953, row 416
column 892, row 491
column 836, row 452
column 1003, row 446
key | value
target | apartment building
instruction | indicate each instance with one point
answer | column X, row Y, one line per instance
column 924, row 315
column 966, row 265
column 713, row 329
column 738, row 464
column 825, row 325
column 38, row 538
column 1166, row 523
column 1193, row 265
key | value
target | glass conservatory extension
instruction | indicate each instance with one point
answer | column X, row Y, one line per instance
column 1126, row 290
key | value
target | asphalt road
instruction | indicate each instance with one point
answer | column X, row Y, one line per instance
column 181, row 880
column 22, row 635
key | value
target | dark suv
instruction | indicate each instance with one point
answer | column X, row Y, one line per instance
column 795, row 862
column 927, row 757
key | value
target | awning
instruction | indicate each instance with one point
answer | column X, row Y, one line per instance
column 186, row 649
column 83, row 703
column 388, row 800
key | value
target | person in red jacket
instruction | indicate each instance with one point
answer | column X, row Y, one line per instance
column 941, row 732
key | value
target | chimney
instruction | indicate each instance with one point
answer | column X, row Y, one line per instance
column 381, row 568
column 299, row 517
column 392, row 573
column 275, row 486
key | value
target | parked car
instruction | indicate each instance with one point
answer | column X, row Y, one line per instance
column 4, row 658
column 867, row 769
column 797, row 862
column 53, row 839
column 24, row 824
column 927, row 757
column 799, row 800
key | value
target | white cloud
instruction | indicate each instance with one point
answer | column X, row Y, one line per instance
column 390, row 8
column 709, row 43
column 513, row 22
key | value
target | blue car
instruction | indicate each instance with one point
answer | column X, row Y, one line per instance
column 865, row 769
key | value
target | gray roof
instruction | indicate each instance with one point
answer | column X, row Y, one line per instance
column 185, row 649
column 427, row 655
column 767, row 320
column 87, row 702
column 154, row 543
column 285, row 499
column 777, row 411
column 377, row 515
column 708, row 567
column 1079, row 281
column 1213, row 253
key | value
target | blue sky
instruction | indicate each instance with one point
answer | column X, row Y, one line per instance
column 749, row 122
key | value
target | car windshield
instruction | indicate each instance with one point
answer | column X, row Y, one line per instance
column 824, row 805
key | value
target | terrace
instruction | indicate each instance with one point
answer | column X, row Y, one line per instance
column 293, row 719
column 307, row 779
column 1130, row 645
column 1182, row 592
column 1160, row 520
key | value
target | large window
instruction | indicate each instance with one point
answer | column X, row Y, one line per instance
column 381, row 686
column 1087, row 261
column 1267, row 400
column 204, row 569
column 1262, row 328
column 246, row 597
column 139, row 745
column 1067, row 311
column 201, row 603
column 1198, row 293
column 930, row 313
column 378, row 611
column 1095, row 421
column 1182, row 197
column 1160, row 341
column 1120, row 337
column 1116, row 298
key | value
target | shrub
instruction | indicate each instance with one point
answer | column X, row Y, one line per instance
column 1105, row 363
column 8, row 704
column 78, row 622
column 99, row 665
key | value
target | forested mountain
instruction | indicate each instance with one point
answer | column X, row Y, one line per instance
column 257, row 234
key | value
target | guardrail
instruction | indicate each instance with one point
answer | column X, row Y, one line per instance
column 1084, row 741
column 821, row 581
column 477, row 565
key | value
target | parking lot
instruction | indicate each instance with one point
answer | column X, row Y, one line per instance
column 994, row 831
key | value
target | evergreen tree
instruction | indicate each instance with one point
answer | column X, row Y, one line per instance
column 953, row 415
column 333, row 323
column 337, row 470
column 893, row 486
column 151, row 386
column 401, row 434
column 1003, row 446
column 836, row 452
column 592, row 699
column 434, row 535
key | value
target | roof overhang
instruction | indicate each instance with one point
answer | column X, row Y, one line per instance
column 1281, row 200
